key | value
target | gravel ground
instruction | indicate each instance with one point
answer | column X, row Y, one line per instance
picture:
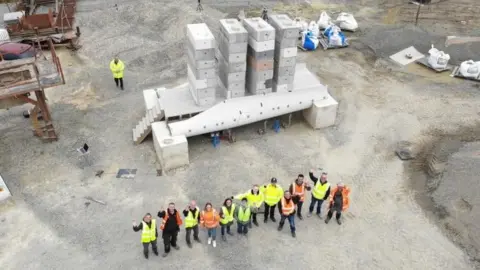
column 49, row 226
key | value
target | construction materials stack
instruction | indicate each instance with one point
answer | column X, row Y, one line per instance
column 201, row 64
column 232, row 58
column 260, row 55
column 286, row 34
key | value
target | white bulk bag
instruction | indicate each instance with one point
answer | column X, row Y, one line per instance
column 324, row 21
column 470, row 69
column 346, row 21
column 334, row 39
column 438, row 59
column 313, row 27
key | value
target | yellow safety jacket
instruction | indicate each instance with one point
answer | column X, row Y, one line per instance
column 320, row 190
column 190, row 220
column 117, row 69
column 253, row 200
column 244, row 214
column 148, row 233
column 272, row 194
column 227, row 216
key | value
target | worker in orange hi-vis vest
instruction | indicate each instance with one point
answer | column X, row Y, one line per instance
column 209, row 219
column 298, row 190
column 286, row 207
column 170, row 227
column 339, row 202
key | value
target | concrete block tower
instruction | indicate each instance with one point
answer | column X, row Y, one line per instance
column 201, row 64
column 286, row 34
column 232, row 57
column 260, row 55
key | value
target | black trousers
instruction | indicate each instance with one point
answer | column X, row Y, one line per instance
column 338, row 214
column 226, row 226
column 169, row 240
column 299, row 208
column 269, row 211
column 154, row 247
column 189, row 232
column 119, row 80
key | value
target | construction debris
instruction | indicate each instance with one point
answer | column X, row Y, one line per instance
column 95, row 200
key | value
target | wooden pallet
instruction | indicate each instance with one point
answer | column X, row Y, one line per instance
column 424, row 62
column 324, row 42
column 456, row 73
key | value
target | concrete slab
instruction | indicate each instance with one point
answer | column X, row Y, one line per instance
column 259, row 29
column 199, row 83
column 260, row 55
column 200, row 64
column 322, row 114
column 228, row 78
column 286, row 62
column 179, row 101
column 233, row 31
column 231, row 67
column 304, row 79
column 206, row 93
column 261, row 46
column 231, row 48
column 401, row 56
column 235, row 94
column 282, row 88
column 283, row 71
column 262, row 91
column 206, row 54
column 4, row 191
column 253, row 86
column 285, row 79
column 150, row 98
column 285, row 27
column 262, row 75
column 172, row 151
column 200, row 36
column 233, row 58
column 233, row 86
column 286, row 52
column 260, row 65
column 202, row 73
column 286, row 43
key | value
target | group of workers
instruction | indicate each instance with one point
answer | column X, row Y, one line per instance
column 288, row 202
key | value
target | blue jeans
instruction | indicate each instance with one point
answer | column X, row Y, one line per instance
column 291, row 220
column 242, row 228
column 212, row 233
column 312, row 205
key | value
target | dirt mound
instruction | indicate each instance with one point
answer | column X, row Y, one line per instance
column 445, row 174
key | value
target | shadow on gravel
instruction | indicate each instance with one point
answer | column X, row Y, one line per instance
column 445, row 177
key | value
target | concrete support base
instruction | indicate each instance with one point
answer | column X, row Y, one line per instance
column 4, row 192
column 172, row 151
column 322, row 114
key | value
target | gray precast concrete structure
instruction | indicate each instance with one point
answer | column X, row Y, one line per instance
column 286, row 35
column 260, row 56
column 232, row 58
column 201, row 64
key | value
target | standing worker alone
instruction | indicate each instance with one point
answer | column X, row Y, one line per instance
column 339, row 202
column 149, row 233
column 117, row 67
column 272, row 194
column 171, row 222
column 286, row 207
column 192, row 219
column 320, row 192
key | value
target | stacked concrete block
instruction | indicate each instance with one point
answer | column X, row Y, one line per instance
column 286, row 35
column 201, row 64
column 260, row 56
column 232, row 57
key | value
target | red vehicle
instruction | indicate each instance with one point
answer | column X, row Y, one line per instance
column 14, row 51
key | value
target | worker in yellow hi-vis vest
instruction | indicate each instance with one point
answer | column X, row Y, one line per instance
column 117, row 67
column 149, row 233
column 272, row 194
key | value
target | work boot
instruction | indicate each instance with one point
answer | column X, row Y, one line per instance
column 255, row 223
column 319, row 216
column 265, row 220
column 327, row 220
column 230, row 233
column 280, row 227
column 155, row 252
column 273, row 219
column 294, row 234
column 176, row 247
column 224, row 238
column 146, row 255
column 339, row 222
column 189, row 245
column 164, row 254
column 300, row 217
column 309, row 214
column 197, row 240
